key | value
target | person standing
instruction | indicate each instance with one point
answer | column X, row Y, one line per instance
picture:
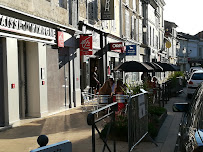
column 119, row 90
column 112, row 83
column 94, row 80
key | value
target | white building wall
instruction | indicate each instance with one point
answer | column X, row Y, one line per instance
column 36, row 92
column 11, row 77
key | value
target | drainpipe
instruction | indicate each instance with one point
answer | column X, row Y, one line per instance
column 121, row 19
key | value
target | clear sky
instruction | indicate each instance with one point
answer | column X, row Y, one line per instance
column 187, row 14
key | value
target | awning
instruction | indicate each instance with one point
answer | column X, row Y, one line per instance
column 155, row 66
column 168, row 67
column 134, row 66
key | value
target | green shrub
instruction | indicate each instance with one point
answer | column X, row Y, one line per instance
column 176, row 74
column 155, row 110
column 153, row 130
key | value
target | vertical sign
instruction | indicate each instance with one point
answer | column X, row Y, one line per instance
column 60, row 39
column 107, row 9
column 85, row 42
column 85, row 45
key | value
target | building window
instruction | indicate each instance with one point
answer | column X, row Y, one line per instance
column 134, row 5
column 48, row 0
column 157, row 42
column 127, row 24
column 113, row 22
column 133, row 28
column 200, row 52
column 153, row 38
column 150, row 36
column 63, row 3
column 92, row 11
column 127, row 2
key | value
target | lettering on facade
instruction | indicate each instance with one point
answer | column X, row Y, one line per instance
column 107, row 5
column 24, row 27
column 117, row 46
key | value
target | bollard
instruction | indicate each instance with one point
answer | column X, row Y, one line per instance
column 42, row 140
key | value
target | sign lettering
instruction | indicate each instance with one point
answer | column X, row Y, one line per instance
column 23, row 27
column 60, row 39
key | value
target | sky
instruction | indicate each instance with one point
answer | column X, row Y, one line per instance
column 187, row 14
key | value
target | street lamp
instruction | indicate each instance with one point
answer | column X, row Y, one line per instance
column 144, row 28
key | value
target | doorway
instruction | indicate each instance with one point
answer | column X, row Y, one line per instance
column 2, row 120
column 22, row 62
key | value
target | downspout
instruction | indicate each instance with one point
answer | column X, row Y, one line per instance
column 121, row 19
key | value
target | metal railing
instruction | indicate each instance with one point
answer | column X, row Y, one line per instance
column 137, row 119
column 111, row 108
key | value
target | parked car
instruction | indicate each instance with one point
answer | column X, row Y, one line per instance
column 192, row 69
column 194, row 81
column 190, row 136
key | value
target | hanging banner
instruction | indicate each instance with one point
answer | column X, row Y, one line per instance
column 107, row 9
column 85, row 42
column 131, row 50
column 60, row 39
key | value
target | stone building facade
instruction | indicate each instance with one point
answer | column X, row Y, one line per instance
column 37, row 78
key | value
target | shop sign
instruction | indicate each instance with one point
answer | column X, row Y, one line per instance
column 85, row 42
column 118, row 47
column 107, row 9
column 26, row 28
column 168, row 44
column 60, row 39
column 131, row 50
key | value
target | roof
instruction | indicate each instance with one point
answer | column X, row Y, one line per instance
column 187, row 36
column 171, row 24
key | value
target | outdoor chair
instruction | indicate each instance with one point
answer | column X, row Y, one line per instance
column 90, row 102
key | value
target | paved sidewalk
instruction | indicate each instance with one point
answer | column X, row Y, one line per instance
column 167, row 136
column 71, row 125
